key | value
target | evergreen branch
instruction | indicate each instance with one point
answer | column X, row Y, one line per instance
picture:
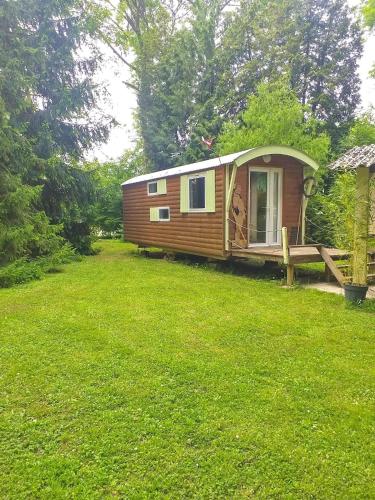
column 130, row 85
column 121, row 57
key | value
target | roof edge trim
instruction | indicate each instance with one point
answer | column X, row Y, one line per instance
column 252, row 154
column 238, row 158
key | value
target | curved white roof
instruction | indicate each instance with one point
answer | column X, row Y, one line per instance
column 239, row 158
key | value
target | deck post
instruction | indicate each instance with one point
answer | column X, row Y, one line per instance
column 284, row 232
column 290, row 275
column 286, row 255
column 327, row 273
column 361, row 226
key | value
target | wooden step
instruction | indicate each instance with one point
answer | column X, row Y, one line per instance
column 345, row 266
column 332, row 266
column 349, row 278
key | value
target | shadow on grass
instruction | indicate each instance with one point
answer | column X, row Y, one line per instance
column 250, row 268
column 254, row 269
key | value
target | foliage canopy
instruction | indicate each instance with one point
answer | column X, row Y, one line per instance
column 196, row 62
column 274, row 115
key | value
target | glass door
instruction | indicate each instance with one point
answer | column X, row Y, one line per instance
column 265, row 206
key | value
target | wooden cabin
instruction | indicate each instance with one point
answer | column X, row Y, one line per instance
column 222, row 206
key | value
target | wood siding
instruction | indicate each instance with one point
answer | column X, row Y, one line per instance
column 196, row 233
column 203, row 233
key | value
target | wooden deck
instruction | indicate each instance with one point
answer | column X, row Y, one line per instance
column 297, row 254
column 300, row 254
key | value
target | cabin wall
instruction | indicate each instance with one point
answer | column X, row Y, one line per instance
column 196, row 233
column 203, row 233
column 292, row 193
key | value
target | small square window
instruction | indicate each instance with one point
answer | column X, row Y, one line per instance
column 152, row 187
column 156, row 188
column 164, row 214
column 197, row 193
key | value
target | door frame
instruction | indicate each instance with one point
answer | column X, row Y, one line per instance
column 268, row 170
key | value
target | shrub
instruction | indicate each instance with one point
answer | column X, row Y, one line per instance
column 331, row 216
column 19, row 271
column 23, row 270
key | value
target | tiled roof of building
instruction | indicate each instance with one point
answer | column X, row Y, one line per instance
column 356, row 157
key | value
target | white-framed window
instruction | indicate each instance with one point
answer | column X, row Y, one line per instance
column 197, row 192
column 152, row 188
column 164, row 214
column 160, row 214
column 159, row 186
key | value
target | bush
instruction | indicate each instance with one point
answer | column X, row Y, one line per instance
column 63, row 255
column 23, row 270
column 19, row 271
column 330, row 217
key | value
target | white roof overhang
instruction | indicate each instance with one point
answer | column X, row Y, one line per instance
column 254, row 153
column 238, row 158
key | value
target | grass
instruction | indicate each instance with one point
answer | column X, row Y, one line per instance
column 140, row 378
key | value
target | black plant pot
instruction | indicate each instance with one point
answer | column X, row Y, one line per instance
column 355, row 293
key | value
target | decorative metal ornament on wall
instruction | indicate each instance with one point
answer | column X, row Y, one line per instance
column 310, row 186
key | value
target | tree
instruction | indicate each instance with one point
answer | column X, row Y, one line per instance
column 362, row 131
column 316, row 43
column 173, row 73
column 274, row 115
column 108, row 177
column 193, row 75
column 368, row 11
column 24, row 229
column 47, row 94
column 330, row 38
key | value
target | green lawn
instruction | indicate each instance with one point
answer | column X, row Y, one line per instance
column 139, row 378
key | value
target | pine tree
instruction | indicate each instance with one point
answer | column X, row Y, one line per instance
column 47, row 92
column 316, row 43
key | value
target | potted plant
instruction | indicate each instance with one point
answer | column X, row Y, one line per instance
column 346, row 208
column 355, row 292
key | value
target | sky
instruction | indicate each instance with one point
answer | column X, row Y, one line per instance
column 121, row 100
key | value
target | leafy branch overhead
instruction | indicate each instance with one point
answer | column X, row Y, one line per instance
column 275, row 116
column 368, row 11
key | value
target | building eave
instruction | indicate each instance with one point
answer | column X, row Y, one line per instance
column 239, row 158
